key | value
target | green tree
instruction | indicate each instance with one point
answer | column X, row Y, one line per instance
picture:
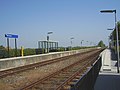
column 114, row 32
column 101, row 44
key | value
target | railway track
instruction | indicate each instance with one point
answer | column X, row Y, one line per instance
column 36, row 65
column 64, row 78
column 29, row 77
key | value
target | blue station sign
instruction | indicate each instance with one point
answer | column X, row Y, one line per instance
column 11, row 36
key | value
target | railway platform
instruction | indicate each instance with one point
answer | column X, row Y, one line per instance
column 108, row 78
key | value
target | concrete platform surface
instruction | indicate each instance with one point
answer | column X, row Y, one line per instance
column 108, row 81
column 108, row 78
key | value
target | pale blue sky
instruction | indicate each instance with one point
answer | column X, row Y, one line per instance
column 32, row 19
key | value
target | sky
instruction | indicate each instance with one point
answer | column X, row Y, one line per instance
column 31, row 20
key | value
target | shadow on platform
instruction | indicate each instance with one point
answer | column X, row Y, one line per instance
column 107, row 82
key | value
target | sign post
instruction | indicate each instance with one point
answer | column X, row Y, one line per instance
column 11, row 36
column 8, row 47
column 15, row 47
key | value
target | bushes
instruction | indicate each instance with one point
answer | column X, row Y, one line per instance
column 4, row 52
column 32, row 51
column 29, row 51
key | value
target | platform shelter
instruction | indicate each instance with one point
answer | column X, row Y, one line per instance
column 48, row 45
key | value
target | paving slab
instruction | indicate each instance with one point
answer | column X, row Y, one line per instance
column 106, row 60
column 108, row 81
column 108, row 78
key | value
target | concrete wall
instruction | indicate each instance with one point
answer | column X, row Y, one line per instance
column 21, row 61
column 88, row 79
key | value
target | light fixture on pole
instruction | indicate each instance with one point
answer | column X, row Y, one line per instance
column 48, row 35
column 116, row 27
column 110, row 29
column 48, row 40
column 82, row 42
column 87, row 43
column 71, row 42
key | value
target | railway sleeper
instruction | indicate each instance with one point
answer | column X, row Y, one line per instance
column 55, row 81
column 43, row 87
column 49, row 83
column 67, row 87
column 63, row 76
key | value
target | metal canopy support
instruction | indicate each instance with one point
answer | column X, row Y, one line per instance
column 47, row 45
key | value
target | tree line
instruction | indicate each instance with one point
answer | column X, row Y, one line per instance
column 33, row 51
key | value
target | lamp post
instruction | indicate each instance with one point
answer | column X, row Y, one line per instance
column 71, row 42
column 91, row 43
column 48, row 40
column 87, row 43
column 81, row 42
column 114, row 11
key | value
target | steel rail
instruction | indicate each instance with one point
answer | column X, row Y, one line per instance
column 32, row 66
column 61, row 87
column 53, row 74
